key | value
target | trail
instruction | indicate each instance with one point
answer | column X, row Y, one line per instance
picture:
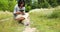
column 29, row 29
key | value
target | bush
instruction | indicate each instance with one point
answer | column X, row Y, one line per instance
column 27, row 8
column 7, row 5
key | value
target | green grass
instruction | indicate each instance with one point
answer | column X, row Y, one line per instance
column 10, row 26
column 43, row 23
column 39, row 20
column 4, row 15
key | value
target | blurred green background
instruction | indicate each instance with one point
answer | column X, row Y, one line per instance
column 29, row 4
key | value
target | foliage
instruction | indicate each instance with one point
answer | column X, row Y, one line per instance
column 43, row 3
column 30, row 4
column 7, row 5
column 27, row 8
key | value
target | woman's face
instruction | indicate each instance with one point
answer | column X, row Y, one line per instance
column 22, row 5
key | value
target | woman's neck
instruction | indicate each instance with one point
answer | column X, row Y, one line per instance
column 20, row 6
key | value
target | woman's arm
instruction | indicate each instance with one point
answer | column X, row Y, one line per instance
column 16, row 9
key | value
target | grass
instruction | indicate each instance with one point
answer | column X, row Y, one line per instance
column 39, row 20
column 43, row 23
column 10, row 26
column 4, row 15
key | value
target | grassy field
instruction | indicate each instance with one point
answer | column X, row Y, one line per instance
column 5, row 14
column 9, row 25
column 45, row 20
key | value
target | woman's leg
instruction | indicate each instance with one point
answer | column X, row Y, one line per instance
column 27, row 21
column 20, row 20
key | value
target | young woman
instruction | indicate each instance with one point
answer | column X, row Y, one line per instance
column 20, row 9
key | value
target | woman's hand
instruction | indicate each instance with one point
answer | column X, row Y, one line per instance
column 18, row 12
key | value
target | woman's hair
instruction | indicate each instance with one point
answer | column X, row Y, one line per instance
column 21, row 2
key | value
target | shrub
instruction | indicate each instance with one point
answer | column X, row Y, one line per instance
column 27, row 8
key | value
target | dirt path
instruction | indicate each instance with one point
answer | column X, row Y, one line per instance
column 29, row 29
